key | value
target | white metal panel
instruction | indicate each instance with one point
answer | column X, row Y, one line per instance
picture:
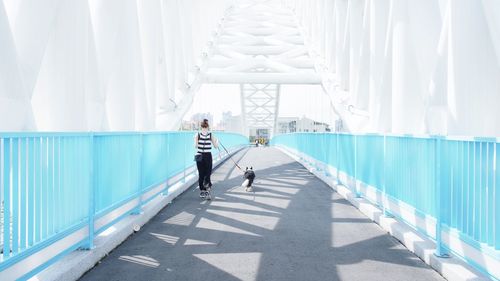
column 91, row 65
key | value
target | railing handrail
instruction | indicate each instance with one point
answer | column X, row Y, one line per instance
column 54, row 181
column 455, row 180
column 420, row 136
column 8, row 134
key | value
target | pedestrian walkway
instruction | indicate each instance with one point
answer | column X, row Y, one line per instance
column 292, row 227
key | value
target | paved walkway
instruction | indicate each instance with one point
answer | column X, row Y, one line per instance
column 293, row 227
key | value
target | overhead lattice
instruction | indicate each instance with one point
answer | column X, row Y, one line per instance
column 260, row 46
column 260, row 43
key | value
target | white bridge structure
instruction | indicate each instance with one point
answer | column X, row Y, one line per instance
column 260, row 47
column 386, row 65
column 93, row 95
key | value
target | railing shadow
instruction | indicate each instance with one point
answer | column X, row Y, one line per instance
column 291, row 227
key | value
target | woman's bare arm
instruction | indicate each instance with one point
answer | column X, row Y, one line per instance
column 215, row 141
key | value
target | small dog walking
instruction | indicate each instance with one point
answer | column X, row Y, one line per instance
column 249, row 177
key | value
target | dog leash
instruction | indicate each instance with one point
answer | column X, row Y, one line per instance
column 236, row 164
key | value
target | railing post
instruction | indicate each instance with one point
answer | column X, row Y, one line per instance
column 165, row 191
column 356, row 189
column 385, row 201
column 300, row 148
column 92, row 187
column 325, row 163
column 440, row 249
column 6, row 197
column 138, row 209
column 184, row 157
column 496, row 200
column 337, row 158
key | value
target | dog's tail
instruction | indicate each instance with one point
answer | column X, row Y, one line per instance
column 245, row 183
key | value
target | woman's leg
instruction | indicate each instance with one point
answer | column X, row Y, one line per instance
column 209, row 169
column 201, row 173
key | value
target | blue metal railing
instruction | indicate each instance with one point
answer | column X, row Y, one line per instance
column 454, row 181
column 54, row 184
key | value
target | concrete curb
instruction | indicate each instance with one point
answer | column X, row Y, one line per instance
column 451, row 268
column 76, row 264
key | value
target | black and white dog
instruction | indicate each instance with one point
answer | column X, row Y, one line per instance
column 249, row 177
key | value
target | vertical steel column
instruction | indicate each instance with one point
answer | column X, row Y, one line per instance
column 259, row 106
column 246, row 132
column 276, row 111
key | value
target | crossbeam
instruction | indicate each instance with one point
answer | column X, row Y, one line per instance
column 261, row 78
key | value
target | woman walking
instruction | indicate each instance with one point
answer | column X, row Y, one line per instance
column 203, row 141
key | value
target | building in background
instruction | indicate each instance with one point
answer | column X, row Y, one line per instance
column 198, row 117
column 231, row 123
column 261, row 134
column 287, row 125
column 308, row 125
column 304, row 124
column 193, row 124
column 188, row 125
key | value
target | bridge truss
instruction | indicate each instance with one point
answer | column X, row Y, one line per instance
column 260, row 47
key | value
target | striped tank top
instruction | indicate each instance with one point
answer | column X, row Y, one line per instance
column 204, row 142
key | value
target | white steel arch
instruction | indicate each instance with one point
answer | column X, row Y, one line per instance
column 408, row 66
column 260, row 42
column 403, row 66
column 260, row 47
column 92, row 65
